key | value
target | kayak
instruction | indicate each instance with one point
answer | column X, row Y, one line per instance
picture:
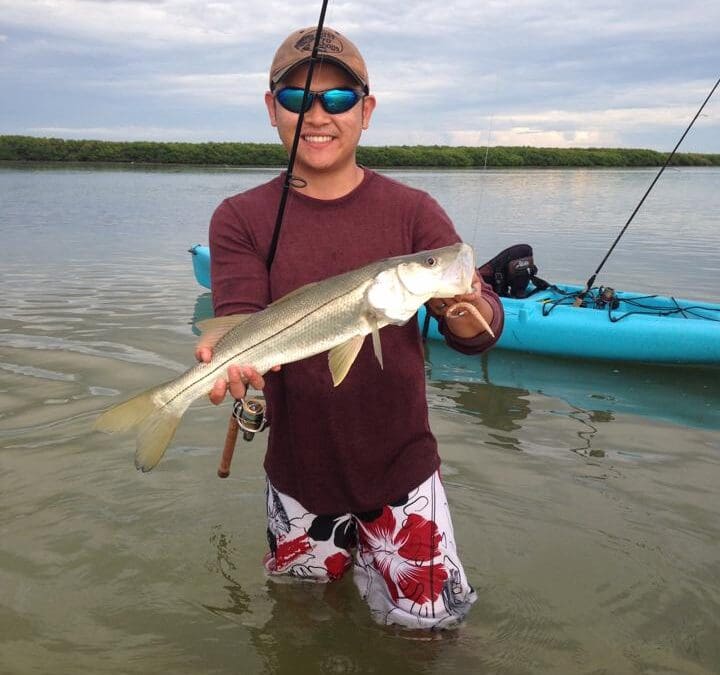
column 596, row 390
column 622, row 326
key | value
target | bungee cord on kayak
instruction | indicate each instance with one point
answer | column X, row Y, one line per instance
column 621, row 307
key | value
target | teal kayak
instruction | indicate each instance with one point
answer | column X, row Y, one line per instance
column 630, row 327
column 595, row 389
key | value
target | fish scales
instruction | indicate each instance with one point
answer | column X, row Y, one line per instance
column 332, row 315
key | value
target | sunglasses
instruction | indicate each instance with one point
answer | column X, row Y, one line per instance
column 333, row 101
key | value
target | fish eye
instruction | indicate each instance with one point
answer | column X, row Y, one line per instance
column 431, row 261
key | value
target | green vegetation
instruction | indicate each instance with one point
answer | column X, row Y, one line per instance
column 30, row 149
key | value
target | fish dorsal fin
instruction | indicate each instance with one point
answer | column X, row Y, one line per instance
column 340, row 358
column 213, row 329
column 377, row 347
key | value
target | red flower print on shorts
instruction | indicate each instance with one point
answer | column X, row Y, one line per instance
column 405, row 559
column 290, row 550
column 336, row 565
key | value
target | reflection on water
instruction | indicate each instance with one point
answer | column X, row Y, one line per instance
column 239, row 601
column 323, row 627
column 683, row 395
column 584, row 495
column 591, row 421
column 203, row 310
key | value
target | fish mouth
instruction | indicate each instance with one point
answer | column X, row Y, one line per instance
column 459, row 274
column 467, row 261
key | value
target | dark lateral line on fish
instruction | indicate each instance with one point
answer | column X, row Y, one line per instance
column 227, row 361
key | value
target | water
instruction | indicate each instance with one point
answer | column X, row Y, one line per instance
column 584, row 495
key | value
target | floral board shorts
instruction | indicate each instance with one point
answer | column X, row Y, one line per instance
column 405, row 561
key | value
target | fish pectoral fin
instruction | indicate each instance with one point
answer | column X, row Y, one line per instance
column 377, row 347
column 340, row 358
column 213, row 329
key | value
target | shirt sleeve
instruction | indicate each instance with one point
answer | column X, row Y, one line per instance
column 484, row 340
column 237, row 268
column 433, row 228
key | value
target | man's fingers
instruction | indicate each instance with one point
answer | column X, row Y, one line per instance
column 439, row 305
column 238, row 379
column 253, row 378
column 236, row 382
column 217, row 393
column 203, row 354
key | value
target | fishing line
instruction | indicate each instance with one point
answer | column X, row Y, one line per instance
column 426, row 323
column 291, row 180
column 591, row 280
column 481, row 192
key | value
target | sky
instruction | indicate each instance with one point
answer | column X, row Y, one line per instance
column 551, row 73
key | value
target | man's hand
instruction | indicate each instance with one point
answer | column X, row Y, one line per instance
column 238, row 379
column 463, row 323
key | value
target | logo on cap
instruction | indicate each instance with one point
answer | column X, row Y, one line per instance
column 329, row 43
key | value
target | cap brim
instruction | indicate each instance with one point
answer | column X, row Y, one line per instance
column 282, row 73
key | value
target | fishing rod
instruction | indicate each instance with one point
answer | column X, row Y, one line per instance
column 291, row 180
column 249, row 414
column 591, row 280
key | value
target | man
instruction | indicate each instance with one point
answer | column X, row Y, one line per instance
column 354, row 467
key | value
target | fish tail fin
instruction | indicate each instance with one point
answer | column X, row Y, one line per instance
column 155, row 434
column 127, row 415
column 157, row 421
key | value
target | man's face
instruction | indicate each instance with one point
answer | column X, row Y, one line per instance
column 327, row 142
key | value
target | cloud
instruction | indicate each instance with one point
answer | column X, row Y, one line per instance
column 230, row 89
column 150, row 24
column 516, row 136
column 562, row 73
column 126, row 22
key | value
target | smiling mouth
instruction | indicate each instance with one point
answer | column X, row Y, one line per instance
column 308, row 138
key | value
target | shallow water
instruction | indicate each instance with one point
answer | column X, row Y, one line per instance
column 584, row 495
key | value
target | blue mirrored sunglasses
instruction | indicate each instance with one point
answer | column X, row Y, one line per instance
column 333, row 101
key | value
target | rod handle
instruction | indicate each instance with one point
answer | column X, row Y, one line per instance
column 229, row 447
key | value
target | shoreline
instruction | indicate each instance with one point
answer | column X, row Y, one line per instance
column 49, row 165
column 35, row 150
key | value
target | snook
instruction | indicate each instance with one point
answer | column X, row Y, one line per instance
column 333, row 315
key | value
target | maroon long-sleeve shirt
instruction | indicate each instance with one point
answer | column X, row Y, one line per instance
column 363, row 444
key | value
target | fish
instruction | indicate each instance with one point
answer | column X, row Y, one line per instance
column 333, row 315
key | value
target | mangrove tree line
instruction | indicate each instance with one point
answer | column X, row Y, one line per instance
column 32, row 149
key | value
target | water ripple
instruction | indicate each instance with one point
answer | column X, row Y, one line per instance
column 583, row 495
column 112, row 350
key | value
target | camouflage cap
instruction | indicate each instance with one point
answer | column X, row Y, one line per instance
column 334, row 48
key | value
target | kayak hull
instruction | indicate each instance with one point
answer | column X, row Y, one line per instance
column 657, row 329
column 586, row 332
